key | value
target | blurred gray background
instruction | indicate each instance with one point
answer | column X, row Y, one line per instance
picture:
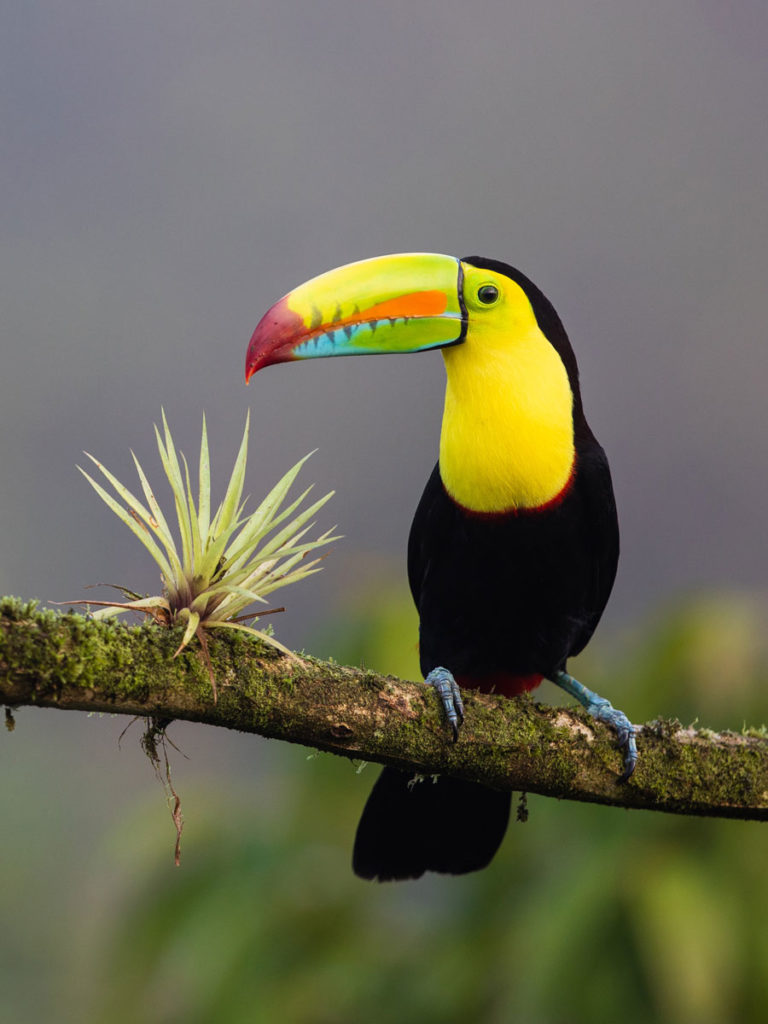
column 170, row 170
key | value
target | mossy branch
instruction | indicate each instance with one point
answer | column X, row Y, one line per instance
column 73, row 663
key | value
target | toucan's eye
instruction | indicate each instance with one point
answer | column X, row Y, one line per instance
column 487, row 294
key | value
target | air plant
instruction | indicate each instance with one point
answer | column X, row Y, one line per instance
column 227, row 561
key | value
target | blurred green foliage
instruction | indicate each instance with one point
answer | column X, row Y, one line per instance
column 587, row 914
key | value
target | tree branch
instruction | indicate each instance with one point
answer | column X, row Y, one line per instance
column 73, row 663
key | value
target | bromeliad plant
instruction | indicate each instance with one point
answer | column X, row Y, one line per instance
column 228, row 560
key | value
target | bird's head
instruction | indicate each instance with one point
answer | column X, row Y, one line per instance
column 512, row 376
column 408, row 302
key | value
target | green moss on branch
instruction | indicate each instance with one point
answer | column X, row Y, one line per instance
column 70, row 662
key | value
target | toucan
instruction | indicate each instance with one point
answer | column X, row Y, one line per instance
column 513, row 549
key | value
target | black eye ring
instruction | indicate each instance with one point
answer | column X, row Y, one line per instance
column 488, row 294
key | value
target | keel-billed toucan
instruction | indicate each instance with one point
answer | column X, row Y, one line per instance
column 513, row 549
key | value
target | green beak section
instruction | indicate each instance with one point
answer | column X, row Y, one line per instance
column 404, row 303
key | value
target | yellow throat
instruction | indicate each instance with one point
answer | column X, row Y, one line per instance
column 507, row 435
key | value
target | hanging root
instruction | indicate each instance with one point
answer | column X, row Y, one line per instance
column 154, row 742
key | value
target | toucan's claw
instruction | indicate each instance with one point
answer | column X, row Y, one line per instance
column 450, row 695
column 604, row 711
column 625, row 733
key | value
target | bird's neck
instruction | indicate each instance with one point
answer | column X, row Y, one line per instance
column 507, row 439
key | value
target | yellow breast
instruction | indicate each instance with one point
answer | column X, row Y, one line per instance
column 507, row 435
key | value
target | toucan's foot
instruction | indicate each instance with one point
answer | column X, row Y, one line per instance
column 450, row 695
column 604, row 711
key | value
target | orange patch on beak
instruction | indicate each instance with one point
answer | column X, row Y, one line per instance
column 431, row 303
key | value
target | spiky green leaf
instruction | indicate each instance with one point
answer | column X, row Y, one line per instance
column 141, row 530
column 160, row 523
column 204, row 486
column 234, row 490
column 169, row 458
column 193, row 621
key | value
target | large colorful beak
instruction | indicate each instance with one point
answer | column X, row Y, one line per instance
column 404, row 303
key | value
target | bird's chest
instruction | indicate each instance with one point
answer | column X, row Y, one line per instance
column 507, row 437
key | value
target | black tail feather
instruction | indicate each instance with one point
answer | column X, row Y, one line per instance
column 446, row 825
